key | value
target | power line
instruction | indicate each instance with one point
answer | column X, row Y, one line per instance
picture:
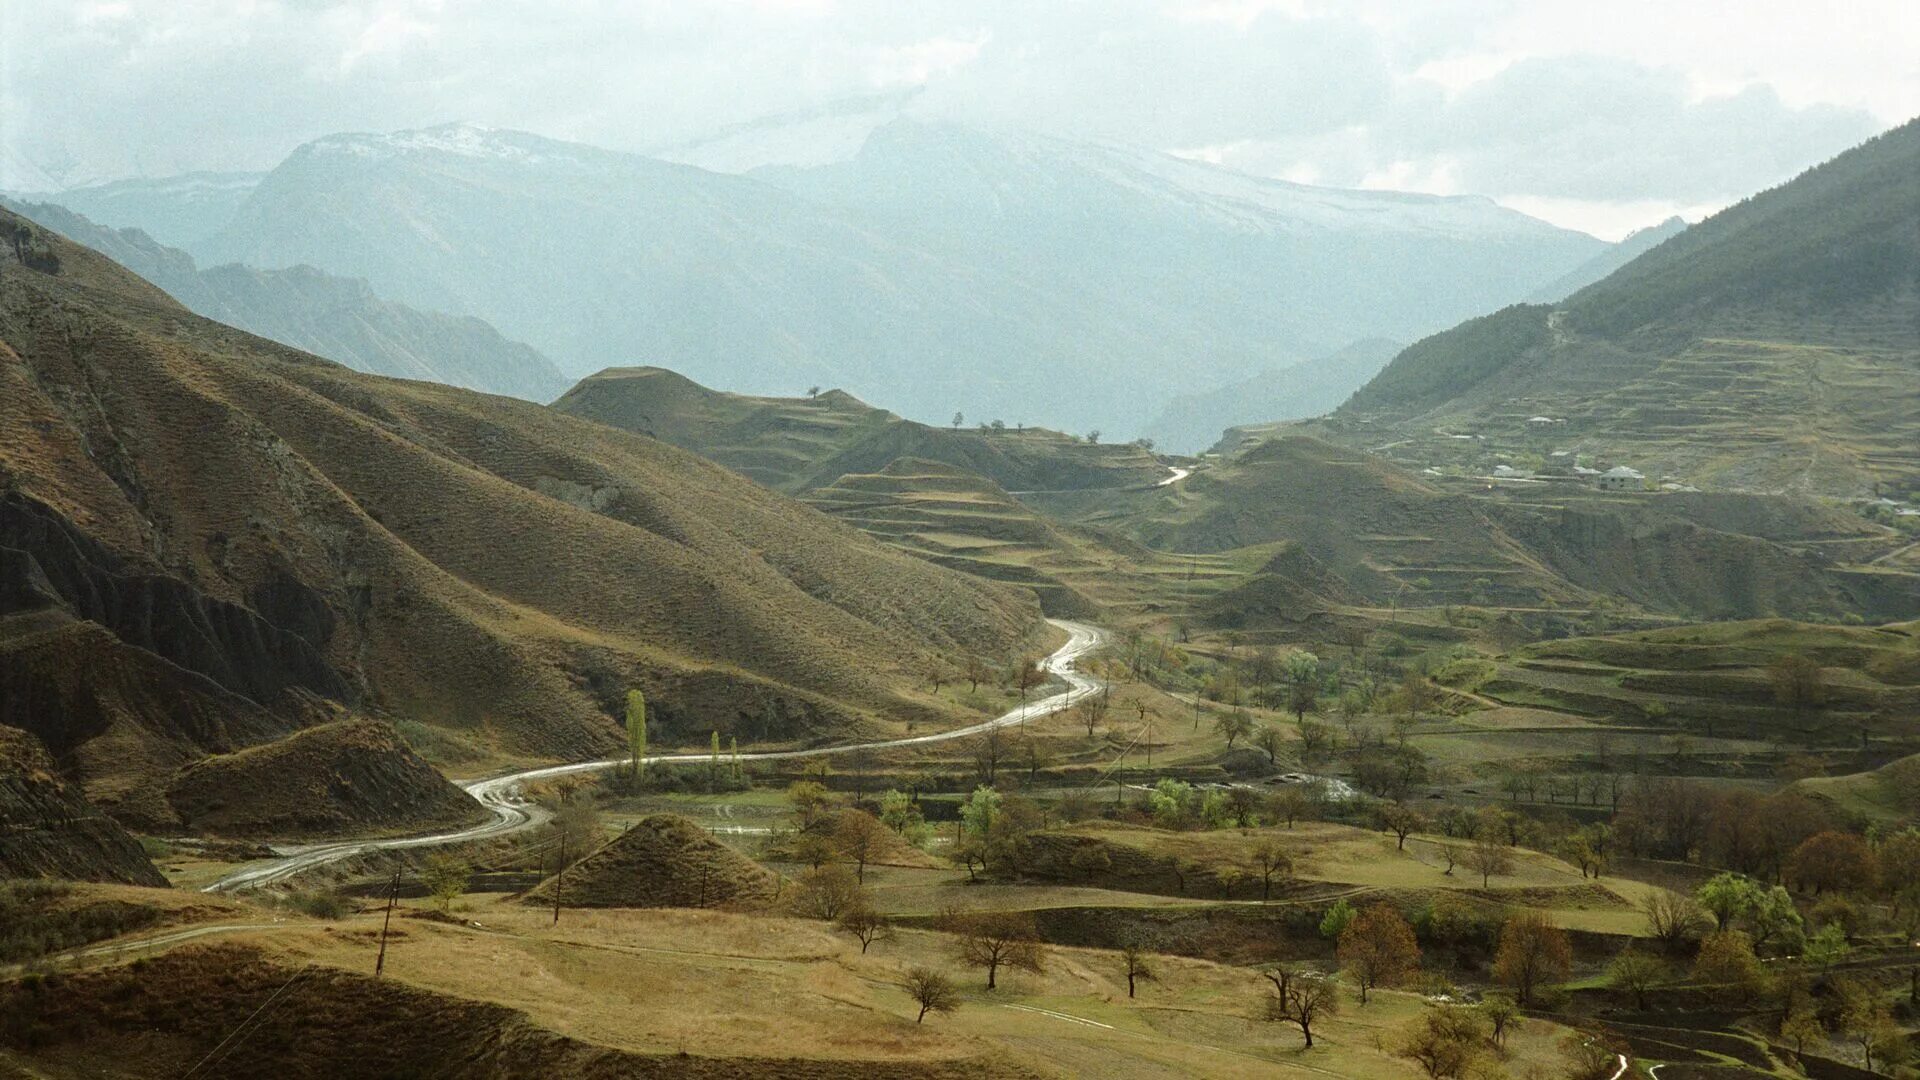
column 235, row 1033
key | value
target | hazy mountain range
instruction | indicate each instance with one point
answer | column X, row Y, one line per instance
column 937, row 268
column 331, row 316
column 1192, row 422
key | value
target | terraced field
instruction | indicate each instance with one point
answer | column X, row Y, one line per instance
column 1704, row 693
column 964, row 521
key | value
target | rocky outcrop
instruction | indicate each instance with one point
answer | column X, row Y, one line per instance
column 49, row 563
column 119, row 720
column 343, row 778
column 47, row 828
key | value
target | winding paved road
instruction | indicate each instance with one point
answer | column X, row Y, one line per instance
column 513, row 813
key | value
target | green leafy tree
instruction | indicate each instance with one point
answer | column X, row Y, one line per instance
column 636, row 731
column 810, row 801
column 1869, row 1024
column 1502, row 1012
column 445, row 877
column 1727, row 897
column 978, row 811
column 1634, row 973
column 1726, row 960
column 1801, row 1028
column 1335, row 921
column 900, row 813
column 1134, row 962
column 1271, row 740
column 1828, row 946
column 1303, row 683
column 1772, row 917
column 1171, row 803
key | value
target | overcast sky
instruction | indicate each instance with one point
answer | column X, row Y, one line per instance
column 1601, row 114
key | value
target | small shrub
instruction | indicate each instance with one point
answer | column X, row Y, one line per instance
column 320, row 905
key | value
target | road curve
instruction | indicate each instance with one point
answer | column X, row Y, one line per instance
column 512, row 812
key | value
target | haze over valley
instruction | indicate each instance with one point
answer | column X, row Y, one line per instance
column 842, row 540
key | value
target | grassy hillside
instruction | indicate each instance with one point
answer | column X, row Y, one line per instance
column 799, row 444
column 349, row 778
column 294, row 532
column 752, row 997
column 1771, row 347
column 1888, row 795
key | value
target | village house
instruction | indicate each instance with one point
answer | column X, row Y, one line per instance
column 1621, row 478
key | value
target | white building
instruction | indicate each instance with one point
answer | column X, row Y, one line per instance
column 1621, row 478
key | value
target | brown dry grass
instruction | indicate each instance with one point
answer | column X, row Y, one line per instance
column 722, row 985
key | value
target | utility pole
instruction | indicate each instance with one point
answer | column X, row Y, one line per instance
column 559, row 879
column 393, row 894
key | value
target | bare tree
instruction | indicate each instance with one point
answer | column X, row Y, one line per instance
column 1133, row 960
column 932, row 991
column 1400, row 820
column 865, row 925
column 860, row 837
column 1488, row 857
column 1378, row 949
column 1273, row 861
column 1270, row 739
column 1673, row 918
column 1302, row 998
column 826, row 893
column 997, row 939
column 987, row 751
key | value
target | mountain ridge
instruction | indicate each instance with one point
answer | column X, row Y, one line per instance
column 338, row 318
column 602, row 259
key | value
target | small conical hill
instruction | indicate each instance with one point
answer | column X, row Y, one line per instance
column 663, row 861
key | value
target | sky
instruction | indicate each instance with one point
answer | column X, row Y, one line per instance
column 1601, row 115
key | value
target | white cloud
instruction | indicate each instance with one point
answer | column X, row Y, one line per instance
column 915, row 64
column 390, row 31
column 1592, row 112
